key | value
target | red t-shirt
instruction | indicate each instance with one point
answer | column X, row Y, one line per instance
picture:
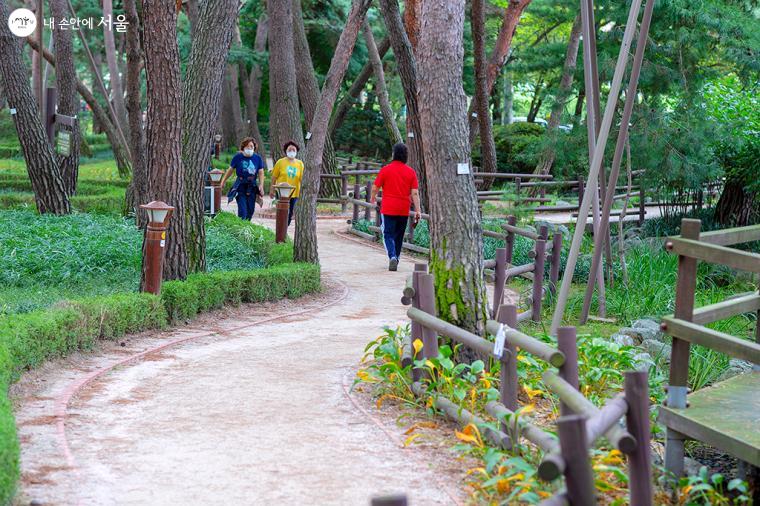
column 397, row 180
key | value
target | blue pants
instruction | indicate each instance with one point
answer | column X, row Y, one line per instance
column 394, row 228
column 293, row 201
column 246, row 205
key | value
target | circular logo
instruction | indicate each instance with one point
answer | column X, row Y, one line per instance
column 22, row 22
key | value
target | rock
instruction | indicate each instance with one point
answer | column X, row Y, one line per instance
column 637, row 334
column 691, row 467
column 658, row 350
column 647, row 323
column 643, row 361
column 622, row 339
column 735, row 367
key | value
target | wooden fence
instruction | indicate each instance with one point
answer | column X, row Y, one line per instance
column 580, row 425
column 724, row 415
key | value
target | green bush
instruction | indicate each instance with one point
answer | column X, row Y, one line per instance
column 517, row 147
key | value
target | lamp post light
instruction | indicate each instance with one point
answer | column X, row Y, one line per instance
column 159, row 214
column 217, row 146
column 216, row 183
column 284, row 191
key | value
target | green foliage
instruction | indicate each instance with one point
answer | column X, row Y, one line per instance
column 704, row 488
column 517, row 147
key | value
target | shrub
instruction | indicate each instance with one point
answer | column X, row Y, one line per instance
column 516, row 147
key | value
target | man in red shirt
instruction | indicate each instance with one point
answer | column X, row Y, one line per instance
column 399, row 184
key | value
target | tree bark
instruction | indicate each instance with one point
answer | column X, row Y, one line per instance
column 356, row 88
column 164, row 132
column 117, row 93
column 737, row 206
column 305, row 245
column 252, row 83
column 137, row 193
column 456, row 247
column 499, row 55
column 192, row 11
column 412, row 22
column 487, row 144
column 308, row 93
column 381, row 90
column 68, row 102
column 563, row 94
column 284, row 115
column 202, row 92
column 407, row 70
column 50, row 194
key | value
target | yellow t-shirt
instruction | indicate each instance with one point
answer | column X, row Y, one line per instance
column 287, row 171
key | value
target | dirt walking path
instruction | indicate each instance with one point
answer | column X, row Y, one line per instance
column 249, row 407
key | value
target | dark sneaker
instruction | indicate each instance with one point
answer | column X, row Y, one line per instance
column 393, row 264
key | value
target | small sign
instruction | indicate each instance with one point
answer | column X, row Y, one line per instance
column 463, row 168
column 63, row 143
column 13, row 111
column 498, row 345
column 474, row 115
column 308, row 135
column 410, row 135
column 163, row 243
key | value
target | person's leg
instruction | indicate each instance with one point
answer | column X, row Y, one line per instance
column 241, row 205
column 250, row 206
column 290, row 211
column 386, row 226
column 398, row 238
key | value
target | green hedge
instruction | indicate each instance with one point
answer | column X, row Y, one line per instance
column 27, row 340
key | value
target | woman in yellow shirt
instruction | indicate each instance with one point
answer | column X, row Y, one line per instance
column 288, row 170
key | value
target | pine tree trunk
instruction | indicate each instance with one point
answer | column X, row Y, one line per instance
column 164, row 133
column 117, row 93
column 381, row 90
column 137, row 193
column 252, row 83
column 499, row 55
column 563, row 94
column 456, row 248
column 412, row 22
column 202, row 92
column 284, row 115
column 305, row 244
column 487, row 144
column 407, row 70
column 308, row 93
column 68, row 102
column 356, row 88
column 232, row 117
column 50, row 194
column 737, row 207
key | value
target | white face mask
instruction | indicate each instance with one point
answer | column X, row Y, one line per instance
column 292, row 154
column 248, row 152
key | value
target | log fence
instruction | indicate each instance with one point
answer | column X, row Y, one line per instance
column 580, row 425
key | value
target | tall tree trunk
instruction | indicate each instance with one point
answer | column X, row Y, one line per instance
column 68, row 102
column 456, row 247
column 737, row 206
column 536, row 100
column 99, row 115
column 164, row 133
column 192, row 11
column 358, row 84
column 117, row 93
column 202, row 92
column 563, row 94
column 50, row 194
column 499, row 55
column 413, row 22
column 305, row 246
column 284, row 115
column 137, row 192
column 407, row 70
column 230, row 135
column 382, row 91
column 308, row 92
column 252, row 82
column 487, row 144
column 509, row 97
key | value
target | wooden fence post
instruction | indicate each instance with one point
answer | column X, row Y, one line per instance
column 410, row 230
column 378, row 220
column 637, row 422
column 579, row 478
column 538, row 274
column 567, row 344
column 343, row 192
column 510, row 241
column 499, row 275
column 518, row 183
column 357, row 192
column 679, row 362
column 368, row 210
column 555, row 262
column 508, row 382
column 427, row 304
column 642, row 202
column 416, row 327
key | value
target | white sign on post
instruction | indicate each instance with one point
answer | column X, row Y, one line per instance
column 498, row 345
column 410, row 135
column 463, row 168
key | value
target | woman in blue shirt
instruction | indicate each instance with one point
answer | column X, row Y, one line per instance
column 249, row 168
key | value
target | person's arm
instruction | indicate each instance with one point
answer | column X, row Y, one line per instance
column 273, row 182
column 260, row 178
column 373, row 195
column 416, row 201
column 226, row 176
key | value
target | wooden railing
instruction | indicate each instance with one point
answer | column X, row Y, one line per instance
column 581, row 423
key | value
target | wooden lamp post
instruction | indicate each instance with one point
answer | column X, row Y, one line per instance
column 284, row 191
column 159, row 214
column 216, row 183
